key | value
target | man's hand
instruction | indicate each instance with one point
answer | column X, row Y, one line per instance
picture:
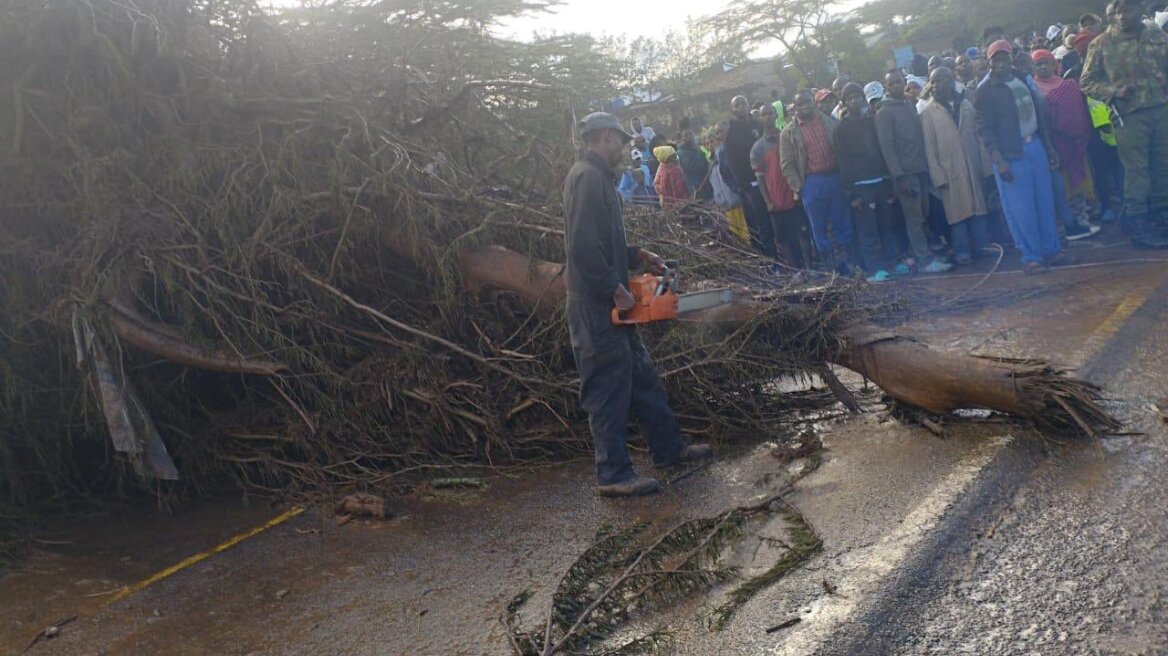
column 904, row 185
column 622, row 299
column 652, row 261
column 857, row 203
column 1005, row 171
column 772, row 208
column 1054, row 161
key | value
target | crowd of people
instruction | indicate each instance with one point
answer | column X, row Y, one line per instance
column 1030, row 141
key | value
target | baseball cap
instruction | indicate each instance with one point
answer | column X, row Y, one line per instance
column 603, row 121
column 823, row 94
column 1053, row 32
column 873, row 91
column 1000, row 45
column 1161, row 18
column 636, row 154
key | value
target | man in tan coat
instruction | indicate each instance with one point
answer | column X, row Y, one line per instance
column 955, row 164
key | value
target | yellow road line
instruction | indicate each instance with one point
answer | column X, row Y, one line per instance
column 199, row 557
column 1113, row 323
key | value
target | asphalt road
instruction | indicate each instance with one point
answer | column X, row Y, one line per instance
column 1056, row 549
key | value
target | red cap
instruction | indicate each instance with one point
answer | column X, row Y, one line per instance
column 1001, row 45
column 1039, row 55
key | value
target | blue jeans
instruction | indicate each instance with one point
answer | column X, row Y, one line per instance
column 616, row 376
column 1028, row 203
column 827, row 206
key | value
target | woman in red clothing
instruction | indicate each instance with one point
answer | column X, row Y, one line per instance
column 670, row 180
column 1071, row 131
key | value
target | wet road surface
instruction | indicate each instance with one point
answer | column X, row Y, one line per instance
column 990, row 541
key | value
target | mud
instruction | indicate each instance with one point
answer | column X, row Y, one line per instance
column 434, row 579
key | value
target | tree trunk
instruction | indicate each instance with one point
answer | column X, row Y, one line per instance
column 905, row 368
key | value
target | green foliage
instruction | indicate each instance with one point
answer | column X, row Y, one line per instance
column 961, row 22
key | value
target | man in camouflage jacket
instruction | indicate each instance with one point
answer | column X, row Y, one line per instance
column 1127, row 68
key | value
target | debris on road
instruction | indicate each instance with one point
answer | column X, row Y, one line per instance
column 363, row 504
column 51, row 631
column 784, row 625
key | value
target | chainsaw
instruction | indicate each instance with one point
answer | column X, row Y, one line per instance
column 655, row 298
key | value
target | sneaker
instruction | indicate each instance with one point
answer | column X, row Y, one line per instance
column 1076, row 231
column 881, row 276
column 937, row 266
column 901, row 269
column 636, row 487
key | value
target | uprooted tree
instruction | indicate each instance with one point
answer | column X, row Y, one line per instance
column 321, row 248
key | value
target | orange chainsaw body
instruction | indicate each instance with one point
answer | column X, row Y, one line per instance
column 654, row 300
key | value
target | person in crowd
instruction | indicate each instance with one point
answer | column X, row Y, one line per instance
column 1014, row 132
column 651, row 158
column 740, row 138
column 628, row 182
column 837, row 90
column 1127, row 68
column 787, row 217
column 981, row 68
column 902, row 142
column 955, row 164
column 827, row 102
column 642, row 193
column 809, row 163
column 616, row 373
column 1106, row 168
column 695, row 165
column 865, row 180
column 1070, row 133
column 1091, row 22
column 874, row 94
column 639, row 129
column 670, row 179
column 914, row 86
column 966, row 77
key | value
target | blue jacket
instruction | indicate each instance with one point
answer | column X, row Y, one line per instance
column 627, row 182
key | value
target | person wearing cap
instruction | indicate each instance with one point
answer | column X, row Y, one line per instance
column 874, row 94
column 1014, row 131
column 955, row 164
column 914, row 86
column 670, row 179
column 788, row 220
column 740, row 137
column 628, row 182
column 616, row 372
column 1127, row 68
column 827, row 102
column 809, row 163
column 865, row 180
column 902, row 142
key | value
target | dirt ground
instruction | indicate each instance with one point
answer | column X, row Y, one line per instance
column 434, row 579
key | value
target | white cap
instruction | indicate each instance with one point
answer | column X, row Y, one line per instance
column 1161, row 18
column 1053, row 32
column 636, row 154
column 873, row 91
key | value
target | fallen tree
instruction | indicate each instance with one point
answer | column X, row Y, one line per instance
column 319, row 249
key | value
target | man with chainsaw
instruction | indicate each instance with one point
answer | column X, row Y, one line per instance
column 616, row 373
